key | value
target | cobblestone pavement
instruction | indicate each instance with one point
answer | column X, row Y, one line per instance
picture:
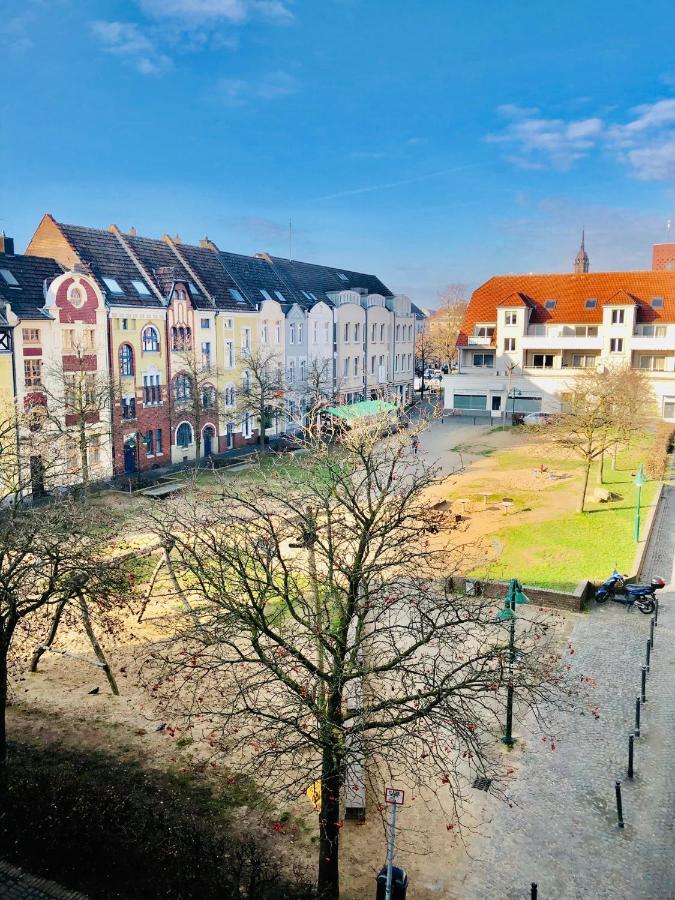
column 562, row 829
column 15, row 884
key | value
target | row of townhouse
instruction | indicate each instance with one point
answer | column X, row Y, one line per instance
column 525, row 337
column 161, row 320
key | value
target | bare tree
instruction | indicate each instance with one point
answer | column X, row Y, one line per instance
column 76, row 398
column 326, row 633
column 193, row 392
column 445, row 323
column 605, row 407
column 424, row 353
column 262, row 391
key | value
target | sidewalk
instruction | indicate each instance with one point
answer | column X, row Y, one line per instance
column 561, row 831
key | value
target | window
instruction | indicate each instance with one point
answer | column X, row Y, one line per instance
column 31, row 335
column 617, row 316
column 208, row 397
column 346, row 366
column 236, row 295
column 246, row 380
column 245, row 338
column 356, row 365
column 182, row 388
column 128, row 408
column 148, row 440
column 184, row 435
column 356, row 332
column 542, row 360
column 277, row 332
column 486, row 360
column 585, row 330
column 94, row 450
column 657, row 302
column 32, row 370
column 151, row 390
column 409, row 361
column 89, row 339
column 372, row 332
column 150, row 339
column 125, row 324
column 280, row 296
column 229, row 396
column 229, row 354
column 372, row 365
column 583, row 361
column 382, row 332
column 303, row 373
column 591, row 303
column 206, row 323
column 141, row 288
column 398, row 332
column 509, row 345
column 126, row 360
column 549, row 304
column 326, row 332
column 342, row 276
column 483, row 331
column 616, row 344
column 266, row 294
column 346, row 334
column 9, row 278
column 316, row 333
column 291, row 332
column 291, row 372
column 299, row 332
column 193, row 288
column 470, row 401
column 652, row 330
column 113, row 286
column 206, row 354
column 511, row 318
column 227, row 324
column 653, row 363
column 396, row 363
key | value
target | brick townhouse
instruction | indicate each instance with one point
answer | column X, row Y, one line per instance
column 525, row 337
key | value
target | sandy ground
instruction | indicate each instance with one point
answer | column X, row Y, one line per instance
column 55, row 703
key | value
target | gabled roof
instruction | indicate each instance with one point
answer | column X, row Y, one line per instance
column 212, row 273
column 322, row 280
column 514, row 299
column 620, row 298
column 253, row 275
column 107, row 258
column 27, row 299
column 571, row 293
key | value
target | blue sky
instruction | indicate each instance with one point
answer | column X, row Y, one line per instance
column 430, row 142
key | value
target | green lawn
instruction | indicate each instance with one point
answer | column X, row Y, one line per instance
column 560, row 551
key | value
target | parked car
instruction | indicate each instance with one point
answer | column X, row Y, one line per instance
column 537, row 418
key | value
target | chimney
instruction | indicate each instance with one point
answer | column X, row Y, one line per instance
column 6, row 244
column 177, row 239
column 207, row 244
column 132, row 231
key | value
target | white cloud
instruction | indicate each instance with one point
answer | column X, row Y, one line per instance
column 270, row 86
column 128, row 41
column 645, row 142
column 235, row 11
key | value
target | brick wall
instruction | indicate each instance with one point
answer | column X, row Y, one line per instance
column 574, row 602
column 663, row 257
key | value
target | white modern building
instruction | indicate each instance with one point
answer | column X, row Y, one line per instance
column 525, row 337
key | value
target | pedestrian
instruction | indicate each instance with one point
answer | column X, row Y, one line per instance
column 415, row 444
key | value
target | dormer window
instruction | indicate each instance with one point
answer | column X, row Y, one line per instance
column 193, row 288
column 657, row 302
column 9, row 278
column 342, row 276
column 484, row 331
column 617, row 316
column 141, row 288
column 236, row 295
column 112, row 286
column 266, row 294
column 549, row 304
column 511, row 318
column 280, row 296
column 591, row 303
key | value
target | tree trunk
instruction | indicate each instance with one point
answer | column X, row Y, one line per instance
column 614, row 454
column 176, row 585
column 3, row 725
column 83, row 451
column 100, row 655
column 151, row 585
column 329, row 830
column 587, row 470
column 602, row 467
column 53, row 628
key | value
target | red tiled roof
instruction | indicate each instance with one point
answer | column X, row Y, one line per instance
column 570, row 293
column 514, row 299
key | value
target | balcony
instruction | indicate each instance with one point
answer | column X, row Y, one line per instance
column 474, row 341
column 557, row 342
column 640, row 342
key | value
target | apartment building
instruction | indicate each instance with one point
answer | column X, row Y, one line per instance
column 525, row 337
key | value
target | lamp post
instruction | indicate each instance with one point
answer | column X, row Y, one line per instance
column 514, row 596
column 640, row 479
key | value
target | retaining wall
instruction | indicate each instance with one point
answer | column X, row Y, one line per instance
column 574, row 601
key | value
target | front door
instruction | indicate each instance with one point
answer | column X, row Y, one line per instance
column 208, row 442
column 229, row 436
column 496, row 403
column 37, row 476
column 130, row 457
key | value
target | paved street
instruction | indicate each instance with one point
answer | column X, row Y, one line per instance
column 561, row 831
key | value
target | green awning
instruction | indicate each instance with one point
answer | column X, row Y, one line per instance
column 351, row 411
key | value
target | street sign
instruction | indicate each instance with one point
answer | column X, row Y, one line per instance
column 394, row 796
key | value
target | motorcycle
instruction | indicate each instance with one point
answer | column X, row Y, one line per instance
column 642, row 595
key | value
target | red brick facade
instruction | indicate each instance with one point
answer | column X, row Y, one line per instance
column 663, row 257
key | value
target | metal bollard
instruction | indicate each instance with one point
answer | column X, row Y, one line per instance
column 656, row 613
column 644, row 684
column 637, row 717
column 630, row 756
column 649, row 654
column 651, row 630
column 534, row 891
column 619, row 806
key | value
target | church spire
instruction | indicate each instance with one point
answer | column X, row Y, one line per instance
column 581, row 262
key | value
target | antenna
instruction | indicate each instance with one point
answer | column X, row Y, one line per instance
column 668, row 226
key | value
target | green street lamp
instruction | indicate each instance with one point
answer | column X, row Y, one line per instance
column 514, row 596
column 639, row 480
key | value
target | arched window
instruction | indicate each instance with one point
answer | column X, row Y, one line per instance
column 174, row 338
column 150, row 339
column 184, row 435
column 246, row 380
column 229, row 395
column 182, row 388
column 126, row 360
column 208, row 397
column 188, row 338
